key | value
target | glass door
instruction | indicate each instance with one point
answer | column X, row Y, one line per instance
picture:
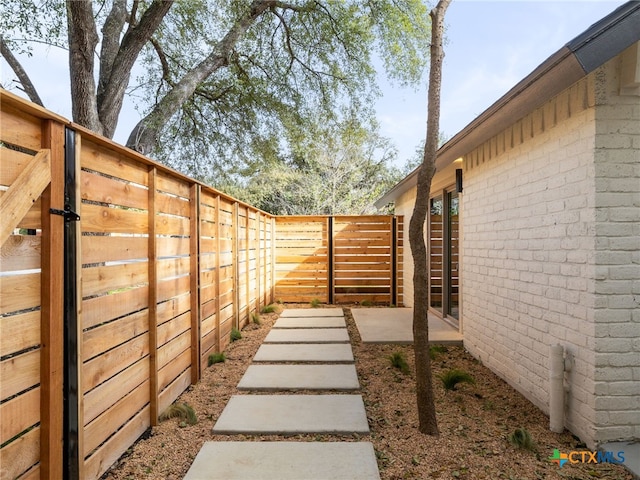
column 444, row 256
column 453, row 256
column 436, row 252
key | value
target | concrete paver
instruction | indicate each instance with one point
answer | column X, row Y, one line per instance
column 293, row 414
column 311, row 312
column 299, row 335
column 308, row 352
column 630, row 451
column 299, row 377
column 285, row 461
column 310, row 322
column 395, row 325
column 307, row 335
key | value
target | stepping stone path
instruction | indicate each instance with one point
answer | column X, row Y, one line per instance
column 317, row 342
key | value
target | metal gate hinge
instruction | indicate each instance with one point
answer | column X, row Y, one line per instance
column 68, row 214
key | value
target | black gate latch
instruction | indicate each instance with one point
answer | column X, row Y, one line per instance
column 68, row 214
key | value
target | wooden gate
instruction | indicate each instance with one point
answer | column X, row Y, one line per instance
column 31, row 292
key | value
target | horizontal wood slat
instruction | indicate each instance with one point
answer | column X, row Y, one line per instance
column 168, row 267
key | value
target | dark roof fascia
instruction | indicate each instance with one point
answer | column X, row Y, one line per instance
column 595, row 46
column 608, row 37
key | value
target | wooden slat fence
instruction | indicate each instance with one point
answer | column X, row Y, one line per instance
column 166, row 267
column 339, row 259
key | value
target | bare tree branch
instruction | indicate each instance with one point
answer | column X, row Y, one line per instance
column 17, row 68
column 144, row 136
column 110, row 103
column 111, row 31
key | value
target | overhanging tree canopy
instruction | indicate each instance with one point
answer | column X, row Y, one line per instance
column 219, row 78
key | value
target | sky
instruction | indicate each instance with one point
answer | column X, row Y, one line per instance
column 491, row 46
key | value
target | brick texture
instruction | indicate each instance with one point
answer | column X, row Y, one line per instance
column 551, row 219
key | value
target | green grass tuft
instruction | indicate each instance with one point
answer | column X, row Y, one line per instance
column 366, row 303
column 182, row 411
column 434, row 350
column 255, row 318
column 235, row 334
column 216, row 358
column 521, row 438
column 398, row 361
column 451, row 378
column 315, row 303
column 269, row 308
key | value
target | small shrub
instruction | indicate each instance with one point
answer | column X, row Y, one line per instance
column 216, row 358
column 521, row 438
column 182, row 411
column 255, row 318
column 366, row 303
column 269, row 308
column 451, row 378
column 434, row 350
column 235, row 334
column 398, row 361
column 315, row 303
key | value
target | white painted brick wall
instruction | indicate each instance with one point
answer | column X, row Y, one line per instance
column 617, row 256
column 528, row 267
column 552, row 255
column 404, row 206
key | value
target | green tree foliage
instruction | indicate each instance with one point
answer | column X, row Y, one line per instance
column 221, row 82
column 339, row 168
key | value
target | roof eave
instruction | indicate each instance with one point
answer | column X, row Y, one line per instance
column 595, row 46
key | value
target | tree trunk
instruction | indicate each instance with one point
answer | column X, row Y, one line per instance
column 118, row 58
column 83, row 39
column 424, row 386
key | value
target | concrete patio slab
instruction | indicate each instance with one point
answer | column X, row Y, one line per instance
column 307, row 335
column 395, row 325
column 310, row 322
column 293, row 414
column 308, row 352
column 631, row 454
column 299, row 377
column 312, row 312
column 285, row 461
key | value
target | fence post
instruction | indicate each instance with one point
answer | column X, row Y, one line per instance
column 153, row 302
column 247, row 262
column 195, row 282
column 235, row 255
column 272, row 286
column 394, row 261
column 218, row 276
column 52, row 319
column 330, row 260
column 72, row 328
column 258, row 266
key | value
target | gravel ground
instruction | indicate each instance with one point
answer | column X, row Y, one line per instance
column 475, row 421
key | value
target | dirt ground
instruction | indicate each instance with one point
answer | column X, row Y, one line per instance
column 475, row 421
